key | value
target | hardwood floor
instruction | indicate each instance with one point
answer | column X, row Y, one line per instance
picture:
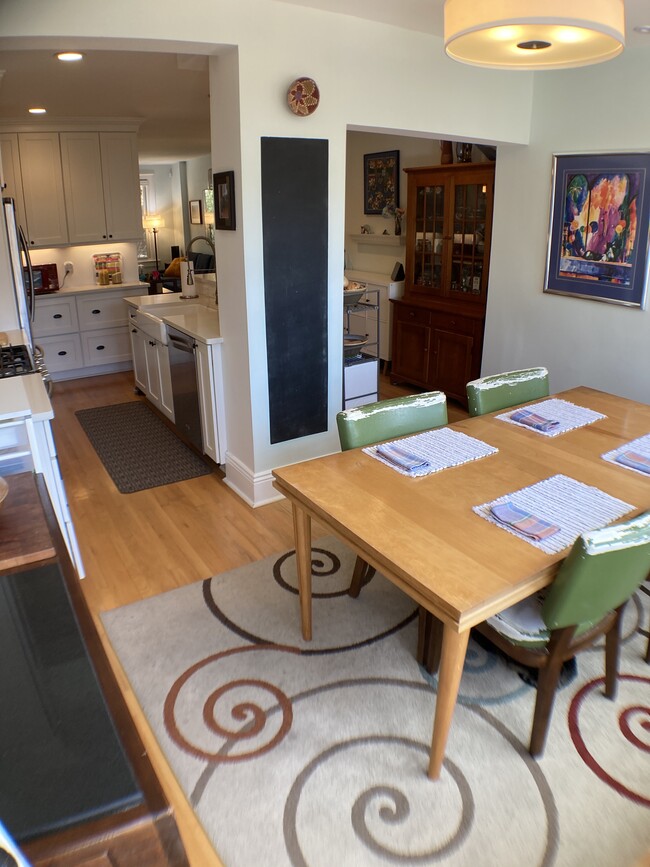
column 137, row 545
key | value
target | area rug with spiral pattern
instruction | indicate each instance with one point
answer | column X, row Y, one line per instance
column 314, row 754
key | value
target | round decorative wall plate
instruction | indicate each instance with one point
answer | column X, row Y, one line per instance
column 303, row 96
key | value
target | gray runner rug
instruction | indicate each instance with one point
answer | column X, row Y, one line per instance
column 137, row 448
column 314, row 754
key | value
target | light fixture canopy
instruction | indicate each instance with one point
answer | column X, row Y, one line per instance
column 533, row 34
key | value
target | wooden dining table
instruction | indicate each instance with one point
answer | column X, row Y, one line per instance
column 422, row 534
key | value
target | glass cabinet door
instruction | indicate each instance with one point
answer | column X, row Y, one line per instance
column 468, row 238
column 428, row 252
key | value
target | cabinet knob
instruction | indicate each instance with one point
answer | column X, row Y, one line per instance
column 62, row 352
column 103, row 236
column 101, row 346
column 411, row 314
column 96, row 311
column 57, row 316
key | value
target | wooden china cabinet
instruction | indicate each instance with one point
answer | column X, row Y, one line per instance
column 438, row 324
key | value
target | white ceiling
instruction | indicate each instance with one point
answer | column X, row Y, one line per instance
column 169, row 93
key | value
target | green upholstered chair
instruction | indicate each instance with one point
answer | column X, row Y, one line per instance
column 586, row 600
column 492, row 393
column 387, row 420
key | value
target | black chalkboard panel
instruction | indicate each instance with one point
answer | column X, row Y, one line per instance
column 294, row 219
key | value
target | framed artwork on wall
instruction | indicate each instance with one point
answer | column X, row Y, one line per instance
column 598, row 237
column 224, row 200
column 380, row 182
column 196, row 216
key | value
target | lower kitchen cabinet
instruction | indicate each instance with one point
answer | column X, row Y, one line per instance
column 436, row 349
column 84, row 334
column 159, row 382
column 139, row 356
column 210, row 384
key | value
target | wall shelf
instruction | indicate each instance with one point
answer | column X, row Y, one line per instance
column 385, row 240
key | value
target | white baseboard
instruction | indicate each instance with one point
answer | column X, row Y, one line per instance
column 254, row 489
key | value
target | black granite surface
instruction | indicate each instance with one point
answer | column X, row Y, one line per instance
column 61, row 761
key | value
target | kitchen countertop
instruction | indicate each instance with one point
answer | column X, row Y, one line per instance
column 192, row 316
column 22, row 396
column 93, row 287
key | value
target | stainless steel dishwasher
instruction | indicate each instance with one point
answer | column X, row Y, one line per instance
column 185, row 391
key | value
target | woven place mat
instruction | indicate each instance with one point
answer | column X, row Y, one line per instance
column 574, row 507
column 569, row 415
column 442, row 448
column 640, row 445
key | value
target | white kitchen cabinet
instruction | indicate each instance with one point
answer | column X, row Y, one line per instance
column 363, row 322
column 42, row 182
column 209, row 373
column 27, row 445
column 138, row 354
column 84, row 334
column 83, row 187
column 121, row 178
column 159, row 381
column 10, row 174
column 102, row 186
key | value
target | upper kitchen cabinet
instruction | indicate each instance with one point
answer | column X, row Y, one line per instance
column 11, row 178
column 42, row 183
column 438, row 332
column 101, row 184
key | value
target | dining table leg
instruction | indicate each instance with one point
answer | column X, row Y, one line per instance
column 454, row 647
column 302, row 536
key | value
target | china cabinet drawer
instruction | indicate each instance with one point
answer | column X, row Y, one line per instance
column 62, row 353
column 102, row 312
column 105, row 346
column 457, row 324
column 56, row 316
column 414, row 314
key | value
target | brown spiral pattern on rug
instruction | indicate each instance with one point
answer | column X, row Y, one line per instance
column 632, row 720
column 249, row 717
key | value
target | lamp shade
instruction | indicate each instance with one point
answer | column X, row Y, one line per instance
column 533, row 34
column 153, row 221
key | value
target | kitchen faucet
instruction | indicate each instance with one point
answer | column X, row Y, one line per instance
column 214, row 255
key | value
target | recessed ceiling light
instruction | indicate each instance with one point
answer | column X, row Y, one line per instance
column 69, row 56
column 642, row 28
column 38, row 111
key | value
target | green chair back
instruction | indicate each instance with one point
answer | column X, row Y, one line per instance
column 602, row 570
column 386, row 419
column 492, row 393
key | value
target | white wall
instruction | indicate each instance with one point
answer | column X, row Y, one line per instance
column 582, row 342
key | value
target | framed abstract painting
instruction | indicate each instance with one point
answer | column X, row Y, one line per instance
column 598, row 240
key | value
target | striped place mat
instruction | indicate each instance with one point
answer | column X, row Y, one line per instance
column 569, row 415
column 571, row 505
column 640, row 446
column 441, row 448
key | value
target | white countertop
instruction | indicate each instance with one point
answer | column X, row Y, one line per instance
column 192, row 316
column 24, row 396
column 93, row 287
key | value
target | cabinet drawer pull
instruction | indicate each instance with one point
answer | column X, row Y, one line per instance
column 101, row 346
column 57, row 316
column 96, row 311
column 62, row 352
column 411, row 314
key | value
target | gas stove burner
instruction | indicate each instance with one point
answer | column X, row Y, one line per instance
column 15, row 361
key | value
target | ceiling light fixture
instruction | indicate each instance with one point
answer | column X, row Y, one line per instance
column 533, row 34
column 69, row 56
column 38, row 111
